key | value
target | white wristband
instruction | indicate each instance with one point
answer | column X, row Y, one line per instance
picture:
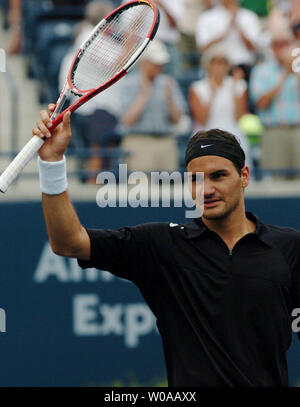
column 53, row 176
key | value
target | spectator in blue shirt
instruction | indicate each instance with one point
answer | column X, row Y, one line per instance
column 152, row 105
column 275, row 90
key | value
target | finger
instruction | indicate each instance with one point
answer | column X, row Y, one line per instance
column 45, row 118
column 37, row 132
column 41, row 126
column 51, row 107
column 67, row 122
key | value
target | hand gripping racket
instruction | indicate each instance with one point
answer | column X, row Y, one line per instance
column 106, row 56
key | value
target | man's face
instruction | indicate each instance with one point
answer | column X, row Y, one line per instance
column 223, row 185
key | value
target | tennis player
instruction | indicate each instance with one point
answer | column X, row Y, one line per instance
column 222, row 287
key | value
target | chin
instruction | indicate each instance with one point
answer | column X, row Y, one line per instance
column 216, row 214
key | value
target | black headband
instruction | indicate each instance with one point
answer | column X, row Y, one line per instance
column 212, row 146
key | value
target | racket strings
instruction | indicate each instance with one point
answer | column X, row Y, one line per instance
column 112, row 47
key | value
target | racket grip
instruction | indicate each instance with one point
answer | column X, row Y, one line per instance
column 19, row 162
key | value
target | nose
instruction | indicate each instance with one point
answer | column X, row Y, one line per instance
column 209, row 189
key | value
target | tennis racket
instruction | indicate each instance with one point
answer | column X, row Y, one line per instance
column 112, row 48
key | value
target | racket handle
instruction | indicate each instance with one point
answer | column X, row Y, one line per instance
column 19, row 162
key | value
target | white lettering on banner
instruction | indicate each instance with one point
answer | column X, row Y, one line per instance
column 66, row 270
column 138, row 321
column 2, row 60
column 91, row 318
column 2, row 320
column 296, row 322
column 85, row 314
column 50, row 265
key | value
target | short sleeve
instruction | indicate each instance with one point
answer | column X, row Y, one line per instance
column 250, row 24
column 202, row 90
column 129, row 252
column 175, row 8
column 203, row 34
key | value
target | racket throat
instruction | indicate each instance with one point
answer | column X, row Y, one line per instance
column 61, row 103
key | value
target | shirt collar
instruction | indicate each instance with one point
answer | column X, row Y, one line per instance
column 197, row 227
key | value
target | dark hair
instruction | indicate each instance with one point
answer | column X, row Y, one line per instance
column 221, row 135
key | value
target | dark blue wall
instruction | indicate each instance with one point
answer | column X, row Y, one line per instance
column 69, row 327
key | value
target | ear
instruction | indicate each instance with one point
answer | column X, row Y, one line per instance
column 245, row 176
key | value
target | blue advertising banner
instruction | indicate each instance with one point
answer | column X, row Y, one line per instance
column 64, row 326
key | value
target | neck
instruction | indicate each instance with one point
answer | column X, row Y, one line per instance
column 232, row 6
column 233, row 227
column 218, row 79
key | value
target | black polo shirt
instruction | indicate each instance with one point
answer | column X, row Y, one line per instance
column 224, row 317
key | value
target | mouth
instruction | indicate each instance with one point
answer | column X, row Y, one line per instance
column 211, row 203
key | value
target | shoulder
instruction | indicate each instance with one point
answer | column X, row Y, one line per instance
column 199, row 85
column 264, row 69
column 158, row 235
column 155, row 228
column 265, row 66
column 211, row 14
column 248, row 14
column 283, row 235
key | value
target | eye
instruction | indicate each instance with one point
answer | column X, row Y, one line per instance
column 218, row 175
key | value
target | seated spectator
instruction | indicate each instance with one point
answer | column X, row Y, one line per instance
column 235, row 28
column 153, row 104
column 275, row 91
column 219, row 100
column 102, row 111
column 15, row 41
column 171, row 11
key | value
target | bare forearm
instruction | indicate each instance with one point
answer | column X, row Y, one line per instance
column 174, row 112
column 241, row 105
column 212, row 43
column 246, row 41
column 171, row 19
column 66, row 235
column 15, row 12
column 265, row 101
column 200, row 112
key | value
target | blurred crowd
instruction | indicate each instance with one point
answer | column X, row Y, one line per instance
column 226, row 64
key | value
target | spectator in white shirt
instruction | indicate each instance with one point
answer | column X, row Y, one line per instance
column 192, row 11
column 99, row 117
column 236, row 28
column 152, row 105
column 171, row 12
column 219, row 100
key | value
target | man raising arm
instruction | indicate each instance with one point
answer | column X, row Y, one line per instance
column 222, row 287
column 67, row 236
